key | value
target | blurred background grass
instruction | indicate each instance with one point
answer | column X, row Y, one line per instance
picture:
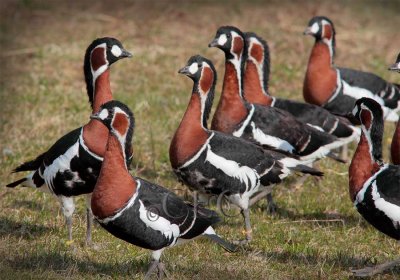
column 43, row 96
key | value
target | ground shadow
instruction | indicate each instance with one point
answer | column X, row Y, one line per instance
column 23, row 230
column 59, row 261
column 28, row 204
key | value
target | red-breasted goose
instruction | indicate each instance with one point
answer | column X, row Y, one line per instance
column 337, row 89
column 136, row 210
column 71, row 166
column 374, row 186
column 212, row 162
column 256, row 80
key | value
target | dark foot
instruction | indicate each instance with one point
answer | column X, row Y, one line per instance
column 90, row 244
column 156, row 266
column 271, row 208
column 364, row 272
column 242, row 242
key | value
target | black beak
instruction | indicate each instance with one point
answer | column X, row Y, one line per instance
column 395, row 67
column 125, row 53
column 95, row 116
column 308, row 31
column 185, row 71
column 213, row 43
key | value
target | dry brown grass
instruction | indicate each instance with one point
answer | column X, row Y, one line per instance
column 43, row 97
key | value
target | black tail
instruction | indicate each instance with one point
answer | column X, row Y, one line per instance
column 16, row 183
column 307, row 170
column 30, row 165
column 336, row 157
column 222, row 242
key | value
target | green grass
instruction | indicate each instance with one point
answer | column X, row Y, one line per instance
column 317, row 234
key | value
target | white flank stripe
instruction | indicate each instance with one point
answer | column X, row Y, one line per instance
column 391, row 210
column 60, row 164
column 245, row 174
column 358, row 93
column 316, row 127
column 272, row 141
column 239, row 132
column 159, row 223
column 128, row 205
column 197, row 155
column 334, row 126
column 322, row 151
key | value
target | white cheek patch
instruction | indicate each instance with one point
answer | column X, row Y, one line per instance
column 314, row 28
column 116, row 51
column 103, row 114
column 193, row 68
column 222, row 39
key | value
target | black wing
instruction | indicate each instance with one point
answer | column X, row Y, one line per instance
column 315, row 115
column 388, row 184
column 282, row 124
column 162, row 202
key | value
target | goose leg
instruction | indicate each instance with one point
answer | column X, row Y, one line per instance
column 248, row 230
column 68, row 208
column 259, row 196
column 371, row 271
column 89, row 221
column 271, row 205
column 156, row 265
column 344, row 153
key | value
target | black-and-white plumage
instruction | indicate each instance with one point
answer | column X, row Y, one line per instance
column 341, row 87
column 374, row 186
column 264, row 125
column 142, row 213
column 256, row 80
column 216, row 163
column 70, row 167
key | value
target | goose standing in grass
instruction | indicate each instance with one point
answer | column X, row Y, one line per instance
column 71, row 166
column 135, row 210
column 267, row 126
column 337, row 89
column 256, row 81
column 216, row 163
column 374, row 186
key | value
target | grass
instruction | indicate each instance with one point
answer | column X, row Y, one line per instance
column 317, row 234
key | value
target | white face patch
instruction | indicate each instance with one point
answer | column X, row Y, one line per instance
column 103, row 114
column 116, row 51
column 314, row 28
column 193, row 68
column 222, row 39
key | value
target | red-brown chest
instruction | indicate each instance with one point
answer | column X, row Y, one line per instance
column 320, row 80
column 95, row 134
column 362, row 167
column 231, row 109
column 395, row 147
column 253, row 91
column 190, row 135
column 115, row 186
